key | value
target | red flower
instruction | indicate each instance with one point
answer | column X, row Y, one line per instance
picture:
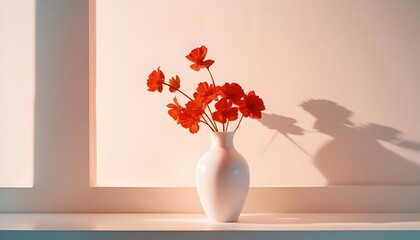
column 175, row 84
column 197, row 57
column 206, row 93
column 251, row 106
column 156, row 80
column 189, row 121
column 233, row 99
column 195, row 108
column 175, row 110
column 225, row 111
column 190, row 117
column 232, row 91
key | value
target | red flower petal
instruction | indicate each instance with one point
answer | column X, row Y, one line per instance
column 208, row 63
column 225, row 111
column 195, row 108
column 206, row 93
column 232, row 91
column 190, row 122
column 252, row 106
column 175, row 110
column 197, row 56
column 175, row 84
column 156, row 80
column 194, row 128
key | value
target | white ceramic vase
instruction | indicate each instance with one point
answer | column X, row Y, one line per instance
column 222, row 179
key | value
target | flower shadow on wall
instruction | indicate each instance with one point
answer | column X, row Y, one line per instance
column 286, row 126
column 354, row 155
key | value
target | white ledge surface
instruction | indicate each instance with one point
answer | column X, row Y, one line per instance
column 195, row 222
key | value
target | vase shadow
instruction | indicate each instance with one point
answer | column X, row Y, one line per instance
column 355, row 154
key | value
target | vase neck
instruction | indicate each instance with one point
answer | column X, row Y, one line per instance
column 222, row 139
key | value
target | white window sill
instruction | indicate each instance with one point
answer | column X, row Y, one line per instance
column 192, row 226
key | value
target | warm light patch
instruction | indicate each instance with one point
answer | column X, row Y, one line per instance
column 17, row 92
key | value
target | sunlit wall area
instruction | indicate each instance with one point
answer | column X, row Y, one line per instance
column 340, row 81
column 17, row 92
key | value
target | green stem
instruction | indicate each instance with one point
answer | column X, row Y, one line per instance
column 217, row 98
column 179, row 91
column 213, row 122
column 211, row 76
column 214, row 129
column 239, row 123
column 205, row 121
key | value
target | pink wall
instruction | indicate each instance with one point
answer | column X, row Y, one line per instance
column 357, row 60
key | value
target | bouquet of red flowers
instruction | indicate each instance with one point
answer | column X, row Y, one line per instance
column 227, row 101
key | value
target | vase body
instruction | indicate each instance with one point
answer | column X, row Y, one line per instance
column 222, row 179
